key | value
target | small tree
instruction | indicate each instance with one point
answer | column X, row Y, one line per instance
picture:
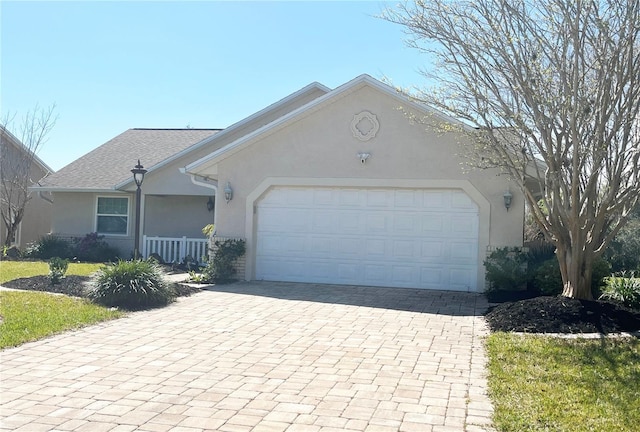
column 551, row 89
column 17, row 155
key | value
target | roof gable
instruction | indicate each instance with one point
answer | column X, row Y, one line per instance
column 331, row 96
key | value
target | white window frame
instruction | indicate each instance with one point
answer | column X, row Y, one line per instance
column 96, row 215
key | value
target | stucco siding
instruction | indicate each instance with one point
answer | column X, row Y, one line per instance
column 322, row 146
column 176, row 216
column 319, row 149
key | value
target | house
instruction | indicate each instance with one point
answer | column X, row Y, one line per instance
column 326, row 186
column 19, row 163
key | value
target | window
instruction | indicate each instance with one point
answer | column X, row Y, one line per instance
column 112, row 216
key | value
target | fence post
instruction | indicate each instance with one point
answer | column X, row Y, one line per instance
column 144, row 246
column 183, row 248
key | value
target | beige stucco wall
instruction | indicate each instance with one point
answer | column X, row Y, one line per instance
column 74, row 215
column 320, row 149
column 165, row 216
column 176, row 216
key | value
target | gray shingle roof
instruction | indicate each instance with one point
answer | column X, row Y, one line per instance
column 111, row 163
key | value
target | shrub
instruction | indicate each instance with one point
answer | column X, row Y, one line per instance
column 136, row 284
column 50, row 246
column 506, row 268
column 57, row 269
column 221, row 267
column 11, row 252
column 624, row 251
column 93, row 248
column 547, row 278
column 623, row 289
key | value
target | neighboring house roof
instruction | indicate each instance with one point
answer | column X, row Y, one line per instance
column 21, row 147
column 110, row 164
column 339, row 92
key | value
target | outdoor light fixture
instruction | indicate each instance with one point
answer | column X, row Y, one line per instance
column 508, row 196
column 138, row 176
column 210, row 204
column 228, row 192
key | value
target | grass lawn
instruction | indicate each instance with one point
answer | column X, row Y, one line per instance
column 10, row 270
column 29, row 316
column 548, row 384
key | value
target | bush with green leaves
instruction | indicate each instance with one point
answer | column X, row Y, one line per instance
column 506, row 269
column 50, row 246
column 221, row 267
column 624, row 250
column 57, row 269
column 547, row 278
column 624, row 288
column 93, row 248
column 133, row 285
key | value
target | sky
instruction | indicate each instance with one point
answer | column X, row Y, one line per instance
column 111, row 66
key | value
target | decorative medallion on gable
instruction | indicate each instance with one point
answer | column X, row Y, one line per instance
column 365, row 126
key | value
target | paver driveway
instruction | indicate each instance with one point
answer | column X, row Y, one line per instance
column 261, row 357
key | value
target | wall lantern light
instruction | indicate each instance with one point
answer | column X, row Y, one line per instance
column 228, row 193
column 508, row 196
column 210, row 204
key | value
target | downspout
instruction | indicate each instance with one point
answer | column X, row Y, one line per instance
column 47, row 199
column 210, row 185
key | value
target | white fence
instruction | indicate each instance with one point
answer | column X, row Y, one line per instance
column 175, row 249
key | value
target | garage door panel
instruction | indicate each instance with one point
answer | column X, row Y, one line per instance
column 406, row 224
column 460, row 201
column 432, row 224
column 383, row 237
column 431, row 276
column 463, row 252
column 378, row 199
column 404, row 249
column 407, row 199
column 350, row 198
column 431, row 249
column 403, row 275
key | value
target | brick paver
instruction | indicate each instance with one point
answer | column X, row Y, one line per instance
column 261, row 356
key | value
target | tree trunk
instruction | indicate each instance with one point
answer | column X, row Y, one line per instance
column 576, row 270
column 11, row 235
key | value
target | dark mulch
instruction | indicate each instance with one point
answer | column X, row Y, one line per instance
column 76, row 286
column 562, row 315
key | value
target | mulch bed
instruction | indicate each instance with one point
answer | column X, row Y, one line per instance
column 562, row 315
column 72, row 285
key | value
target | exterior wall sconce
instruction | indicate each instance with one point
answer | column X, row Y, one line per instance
column 508, row 197
column 228, row 193
column 210, row 204
column 363, row 157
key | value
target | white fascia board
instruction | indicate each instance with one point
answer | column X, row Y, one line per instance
column 232, row 128
column 344, row 89
column 59, row 189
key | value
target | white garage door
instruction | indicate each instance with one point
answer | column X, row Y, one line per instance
column 414, row 238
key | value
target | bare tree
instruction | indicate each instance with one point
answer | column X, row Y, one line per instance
column 18, row 153
column 563, row 78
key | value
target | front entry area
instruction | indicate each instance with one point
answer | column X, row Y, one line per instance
column 411, row 238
